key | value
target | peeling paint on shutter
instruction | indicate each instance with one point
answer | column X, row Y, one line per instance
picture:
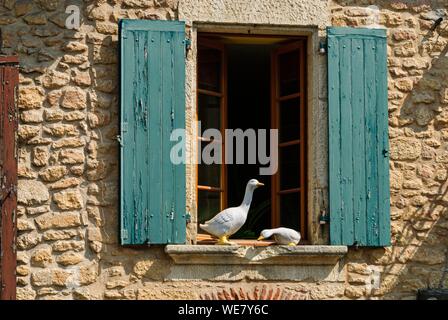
column 358, row 137
column 152, row 106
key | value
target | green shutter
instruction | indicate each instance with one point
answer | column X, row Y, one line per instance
column 152, row 106
column 358, row 137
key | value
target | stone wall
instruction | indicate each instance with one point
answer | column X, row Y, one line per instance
column 418, row 74
column 68, row 158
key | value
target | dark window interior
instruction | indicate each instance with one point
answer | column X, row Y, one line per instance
column 235, row 84
column 249, row 102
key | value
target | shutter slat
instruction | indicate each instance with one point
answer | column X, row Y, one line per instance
column 179, row 230
column 371, row 143
column 334, row 143
column 128, row 138
column 153, row 77
column 359, row 164
column 358, row 135
column 383, row 145
column 140, row 125
column 167, row 102
column 346, row 180
column 155, row 136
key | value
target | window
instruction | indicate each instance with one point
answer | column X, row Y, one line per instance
column 254, row 82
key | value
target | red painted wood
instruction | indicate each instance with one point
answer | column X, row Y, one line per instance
column 9, row 80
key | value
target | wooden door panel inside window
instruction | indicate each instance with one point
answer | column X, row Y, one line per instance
column 209, row 203
column 211, row 108
column 290, row 209
column 288, row 116
column 210, row 69
column 289, row 72
column 289, row 113
column 289, row 160
column 209, row 174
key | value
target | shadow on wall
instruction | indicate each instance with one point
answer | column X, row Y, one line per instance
column 418, row 130
column 420, row 194
column 418, row 119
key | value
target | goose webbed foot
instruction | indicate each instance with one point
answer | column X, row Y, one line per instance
column 224, row 241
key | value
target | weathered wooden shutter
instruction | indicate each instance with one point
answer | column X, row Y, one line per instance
column 9, row 82
column 358, row 137
column 152, row 106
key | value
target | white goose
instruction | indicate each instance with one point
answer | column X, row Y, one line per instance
column 281, row 236
column 230, row 220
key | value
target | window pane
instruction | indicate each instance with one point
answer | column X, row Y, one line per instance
column 209, row 112
column 289, row 73
column 209, row 175
column 289, row 167
column 209, row 69
column 209, row 204
column 289, row 120
column 290, row 210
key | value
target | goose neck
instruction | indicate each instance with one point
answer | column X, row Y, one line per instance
column 247, row 198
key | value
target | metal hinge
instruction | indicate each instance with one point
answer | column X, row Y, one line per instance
column 124, row 127
column 119, row 140
column 324, row 218
column 187, row 43
column 124, row 234
column 188, row 217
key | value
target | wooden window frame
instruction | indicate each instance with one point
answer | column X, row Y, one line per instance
column 302, row 141
column 299, row 42
column 223, row 117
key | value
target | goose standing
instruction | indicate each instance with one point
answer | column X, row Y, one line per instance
column 281, row 236
column 230, row 220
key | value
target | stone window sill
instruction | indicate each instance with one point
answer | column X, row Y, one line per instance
column 271, row 255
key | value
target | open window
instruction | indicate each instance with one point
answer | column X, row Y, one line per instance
column 251, row 82
column 254, row 82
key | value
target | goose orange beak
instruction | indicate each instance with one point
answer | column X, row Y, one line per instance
column 260, row 238
column 260, row 184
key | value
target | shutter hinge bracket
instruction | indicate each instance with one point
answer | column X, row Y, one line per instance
column 124, row 233
column 119, row 140
column 323, row 47
column 188, row 217
column 324, row 217
column 187, row 43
